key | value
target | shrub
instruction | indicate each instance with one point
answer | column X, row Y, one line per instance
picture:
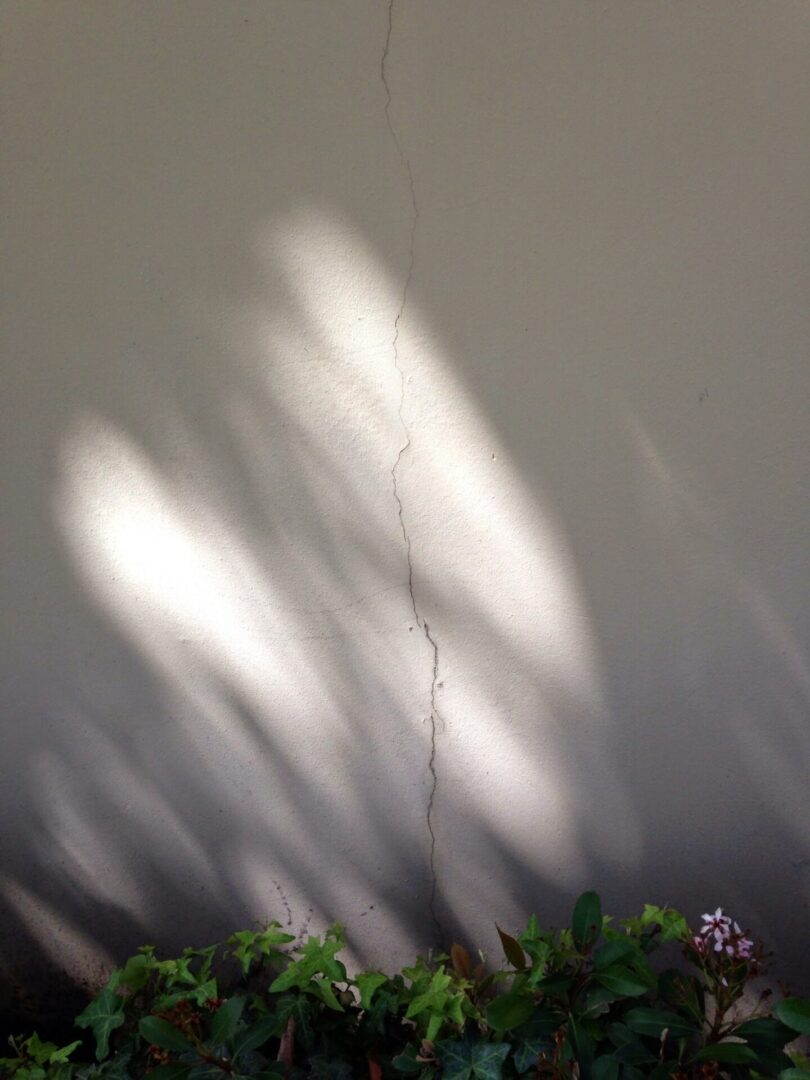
column 595, row 1001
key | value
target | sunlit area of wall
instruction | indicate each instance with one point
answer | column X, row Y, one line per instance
column 404, row 441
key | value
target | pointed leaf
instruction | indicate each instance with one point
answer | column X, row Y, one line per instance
column 103, row 1015
column 586, row 925
column 727, row 1052
column 605, row 1068
column 622, row 981
column 509, row 1011
column 226, row 1019
column 256, row 1036
column 511, row 949
column 367, row 983
column 488, row 1059
column 461, row 961
column 159, row 1032
column 654, row 1021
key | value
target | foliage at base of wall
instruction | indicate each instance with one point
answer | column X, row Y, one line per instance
column 645, row 998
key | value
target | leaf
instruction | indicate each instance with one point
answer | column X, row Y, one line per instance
column 622, row 981
column 406, row 1061
column 511, row 949
column 159, row 1032
column 480, row 1060
column 367, row 984
column 765, row 1031
column 795, row 1012
column 317, row 958
column 559, row 983
column 135, row 973
column 586, row 924
column 654, row 1021
column 605, row 1067
column 103, row 1015
column 794, row 1074
column 615, row 952
column 256, row 1036
column 726, row 1052
column 509, row 1011
column 226, row 1020
column 173, row 1070
column 461, row 961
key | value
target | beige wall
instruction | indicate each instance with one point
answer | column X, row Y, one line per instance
column 218, row 685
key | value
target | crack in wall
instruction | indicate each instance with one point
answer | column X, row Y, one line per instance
column 421, row 622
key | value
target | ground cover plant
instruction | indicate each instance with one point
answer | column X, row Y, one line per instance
column 645, row 998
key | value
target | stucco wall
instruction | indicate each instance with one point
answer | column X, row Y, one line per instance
column 405, row 437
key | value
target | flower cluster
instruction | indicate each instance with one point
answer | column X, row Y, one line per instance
column 720, row 934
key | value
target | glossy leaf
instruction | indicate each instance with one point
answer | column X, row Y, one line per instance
column 159, row 1032
column 795, row 1012
column 512, row 949
column 509, row 1011
column 226, row 1020
column 654, row 1021
column 586, row 924
column 727, row 1053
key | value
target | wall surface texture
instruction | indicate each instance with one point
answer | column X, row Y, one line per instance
column 405, row 441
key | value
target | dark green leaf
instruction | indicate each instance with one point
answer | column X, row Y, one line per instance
column 103, row 1015
column 463, row 1059
column 556, row 984
column 173, row 1070
column 159, row 1032
column 605, row 1067
column 765, row 1031
column 511, row 949
column 794, row 1074
column 795, row 1012
column 586, row 925
column 406, row 1062
column 726, row 1052
column 256, row 1036
column 654, row 1021
column 509, row 1011
column 622, row 981
column 615, row 952
column 634, row 1053
column 580, row 1042
column 226, row 1020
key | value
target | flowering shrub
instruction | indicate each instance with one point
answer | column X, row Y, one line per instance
column 596, row 1001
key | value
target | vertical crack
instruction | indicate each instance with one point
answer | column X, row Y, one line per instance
column 421, row 622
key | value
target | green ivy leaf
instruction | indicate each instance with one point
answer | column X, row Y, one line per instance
column 135, row 972
column 159, row 1032
column 795, row 1012
column 103, row 1015
column 367, row 983
column 317, row 958
column 586, row 924
column 462, row 1060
